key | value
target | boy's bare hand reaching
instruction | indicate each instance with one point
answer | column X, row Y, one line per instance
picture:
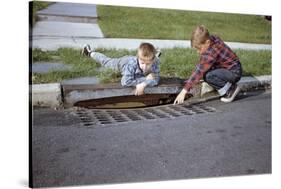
column 150, row 76
column 140, row 89
column 180, row 97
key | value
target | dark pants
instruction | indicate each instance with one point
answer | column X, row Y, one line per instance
column 218, row 77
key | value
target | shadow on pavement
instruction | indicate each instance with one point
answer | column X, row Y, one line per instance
column 247, row 94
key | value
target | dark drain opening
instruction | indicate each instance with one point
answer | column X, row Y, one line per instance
column 125, row 102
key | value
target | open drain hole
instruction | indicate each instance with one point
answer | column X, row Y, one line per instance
column 129, row 101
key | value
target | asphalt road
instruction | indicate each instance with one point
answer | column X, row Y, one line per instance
column 233, row 140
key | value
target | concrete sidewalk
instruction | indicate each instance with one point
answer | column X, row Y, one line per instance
column 59, row 95
column 70, row 9
column 54, row 43
column 63, row 30
column 67, row 20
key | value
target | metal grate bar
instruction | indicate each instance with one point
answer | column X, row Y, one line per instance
column 95, row 117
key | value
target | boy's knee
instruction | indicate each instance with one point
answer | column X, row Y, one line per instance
column 208, row 77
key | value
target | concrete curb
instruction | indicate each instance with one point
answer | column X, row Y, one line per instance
column 51, row 95
column 250, row 83
column 72, row 96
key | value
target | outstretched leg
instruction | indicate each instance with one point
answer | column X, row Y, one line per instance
column 102, row 59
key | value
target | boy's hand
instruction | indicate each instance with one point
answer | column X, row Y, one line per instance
column 180, row 97
column 140, row 89
column 150, row 76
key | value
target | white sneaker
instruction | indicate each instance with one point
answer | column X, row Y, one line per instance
column 206, row 88
column 231, row 94
column 158, row 53
column 86, row 50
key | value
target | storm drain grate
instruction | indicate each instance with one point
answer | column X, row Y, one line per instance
column 91, row 117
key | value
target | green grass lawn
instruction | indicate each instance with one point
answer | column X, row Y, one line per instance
column 177, row 62
column 131, row 22
column 180, row 62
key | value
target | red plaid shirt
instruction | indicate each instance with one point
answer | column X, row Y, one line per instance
column 218, row 55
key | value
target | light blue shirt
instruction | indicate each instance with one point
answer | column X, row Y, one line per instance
column 133, row 75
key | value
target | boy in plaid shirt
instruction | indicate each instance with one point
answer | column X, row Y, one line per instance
column 218, row 66
column 139, row 71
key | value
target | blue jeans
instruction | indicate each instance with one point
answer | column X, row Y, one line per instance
column 218, row 78
column 115, row 64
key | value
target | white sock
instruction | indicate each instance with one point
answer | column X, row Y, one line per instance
column 222, row 91
column 92, row 54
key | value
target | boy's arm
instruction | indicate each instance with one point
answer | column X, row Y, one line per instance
column 155, row 70
column 206, row 62
column 128, row 77
column 195, row 77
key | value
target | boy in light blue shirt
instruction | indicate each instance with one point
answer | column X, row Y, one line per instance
column 139, row 71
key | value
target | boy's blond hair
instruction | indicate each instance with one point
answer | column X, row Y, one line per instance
column 199, row 36
column 146, row 51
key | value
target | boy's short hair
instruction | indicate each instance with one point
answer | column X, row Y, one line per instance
column 146, row 51
column 199, row 36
